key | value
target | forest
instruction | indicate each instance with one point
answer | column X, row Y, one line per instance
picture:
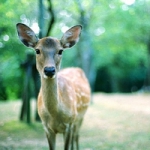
column 114, row 50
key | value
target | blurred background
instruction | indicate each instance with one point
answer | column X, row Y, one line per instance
column 114, row 49
column 114, row 52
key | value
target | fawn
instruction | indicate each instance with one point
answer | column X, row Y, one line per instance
column 64, row 95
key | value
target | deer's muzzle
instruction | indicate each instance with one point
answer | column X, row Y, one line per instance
column 49, row 71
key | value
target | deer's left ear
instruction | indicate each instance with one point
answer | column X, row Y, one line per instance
column 71, row 36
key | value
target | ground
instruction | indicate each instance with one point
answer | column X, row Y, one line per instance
column 112, row 122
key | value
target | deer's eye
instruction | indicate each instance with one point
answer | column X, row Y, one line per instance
column 60, row 52
column 37, row 51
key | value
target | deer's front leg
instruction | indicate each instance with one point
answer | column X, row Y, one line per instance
column 68, row 137
column 74, row 140
column 51, row 137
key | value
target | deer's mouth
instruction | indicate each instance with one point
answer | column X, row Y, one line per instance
column 51, row 77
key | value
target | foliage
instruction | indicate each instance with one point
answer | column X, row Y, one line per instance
column 119, row 34
column 122, row 38
column 12, row 51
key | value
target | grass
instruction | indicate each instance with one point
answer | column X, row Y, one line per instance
column 112, row 122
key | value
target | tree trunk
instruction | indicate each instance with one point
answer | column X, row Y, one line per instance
column 41, row 19
column 147, row 78
column 85, row 51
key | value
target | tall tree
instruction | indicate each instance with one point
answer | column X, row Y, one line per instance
column 85, row 50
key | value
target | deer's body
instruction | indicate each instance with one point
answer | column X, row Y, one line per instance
column 64, row 95
column 70, row 103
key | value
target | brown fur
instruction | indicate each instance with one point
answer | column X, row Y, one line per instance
column 63, row 98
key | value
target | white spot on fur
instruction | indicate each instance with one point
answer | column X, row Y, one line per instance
column 78, row 95
column 81, row 104
column 85, row 105
column 71, row 98
column 82, row 94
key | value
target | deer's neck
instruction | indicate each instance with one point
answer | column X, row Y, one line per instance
column 50, row 95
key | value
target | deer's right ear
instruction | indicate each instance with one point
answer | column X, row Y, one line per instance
column 26, row 35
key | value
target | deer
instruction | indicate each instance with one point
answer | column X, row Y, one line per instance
column 65, row 94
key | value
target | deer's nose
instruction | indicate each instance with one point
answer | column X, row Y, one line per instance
column 49, row 71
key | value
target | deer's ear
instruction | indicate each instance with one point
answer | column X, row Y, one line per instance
column 71, row 36
column 26, row 35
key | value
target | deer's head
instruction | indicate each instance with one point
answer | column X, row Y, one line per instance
column 48, row 50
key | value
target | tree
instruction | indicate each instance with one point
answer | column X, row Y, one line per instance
column 29, row 66
column 115, row 36
column 118, row 42
column 12, row 52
